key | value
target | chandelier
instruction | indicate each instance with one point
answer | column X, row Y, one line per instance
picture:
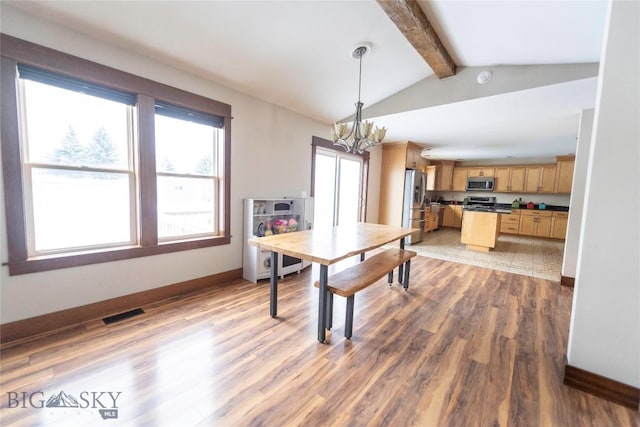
column 362, row 134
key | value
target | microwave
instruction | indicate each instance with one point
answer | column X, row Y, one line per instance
column 480, row 183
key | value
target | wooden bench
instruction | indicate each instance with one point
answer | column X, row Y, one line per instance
column 355, row 278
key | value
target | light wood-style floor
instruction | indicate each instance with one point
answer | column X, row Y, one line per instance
column 465, row 346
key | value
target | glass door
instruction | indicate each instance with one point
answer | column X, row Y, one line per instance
column 338, row 188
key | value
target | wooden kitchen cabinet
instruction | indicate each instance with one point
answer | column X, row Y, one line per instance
column 414, row 158
column 444, row 175
column 430, row 222
column 480, row 230
column 509, row 179
column 452, row 216
column 547, row 179
column 431, row 177
column 484, row 171
column 394, row 164
column 460, row 179
column 559, row 225
column 535, row 223
column 565, row 166
column 510, row 223
column 540, row 179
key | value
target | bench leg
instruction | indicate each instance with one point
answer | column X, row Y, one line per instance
column 348, row 327
column 406, row 274
column 329, row 314
column 390, row 278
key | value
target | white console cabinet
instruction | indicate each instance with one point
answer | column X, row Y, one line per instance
column 273, row 216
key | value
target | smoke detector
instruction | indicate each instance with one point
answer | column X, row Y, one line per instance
column 484, row 77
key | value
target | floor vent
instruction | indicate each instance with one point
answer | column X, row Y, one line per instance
column 122, row 316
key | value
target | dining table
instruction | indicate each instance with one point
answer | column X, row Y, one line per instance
column 326, row 246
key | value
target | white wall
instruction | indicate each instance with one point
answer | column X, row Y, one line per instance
column 604, row 336
column 270, row 157
column 576, row 205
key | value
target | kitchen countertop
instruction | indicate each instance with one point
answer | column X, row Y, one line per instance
column 507, row 206
column 497, row 209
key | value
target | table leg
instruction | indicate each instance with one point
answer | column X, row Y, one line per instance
column 400, row 268
column 322, row 302
column 274, row 284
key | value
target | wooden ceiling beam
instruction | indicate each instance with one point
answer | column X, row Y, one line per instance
column 413, row 23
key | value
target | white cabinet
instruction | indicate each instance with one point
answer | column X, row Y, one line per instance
column 273, row 216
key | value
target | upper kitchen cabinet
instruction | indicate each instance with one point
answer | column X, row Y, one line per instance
column 564, row 173
column 444, row 175
column 414, row 159
column 431, row 177
column 540, row 179
column 460, row 179
column 481, row 171
column 509, row 179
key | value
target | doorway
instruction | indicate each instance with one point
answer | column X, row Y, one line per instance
column 338, row 186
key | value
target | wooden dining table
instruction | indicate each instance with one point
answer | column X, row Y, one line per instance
column 326, row 246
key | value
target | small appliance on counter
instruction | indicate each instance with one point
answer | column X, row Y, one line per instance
column 515, row 204
column 530, row 205
column 542, row 206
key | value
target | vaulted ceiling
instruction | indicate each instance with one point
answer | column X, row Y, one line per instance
column 543, row 56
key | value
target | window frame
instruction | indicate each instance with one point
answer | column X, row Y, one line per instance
column 16, row 51
column 325, row 144
column 29, row 166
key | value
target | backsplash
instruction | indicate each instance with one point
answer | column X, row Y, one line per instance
column 549, row 199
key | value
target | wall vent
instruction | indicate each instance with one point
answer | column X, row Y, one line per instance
column 122, row 316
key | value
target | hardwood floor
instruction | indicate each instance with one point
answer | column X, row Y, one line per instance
column 465, row 346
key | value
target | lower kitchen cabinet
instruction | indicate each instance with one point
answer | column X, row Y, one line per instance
column 559, row 225
column 535, row 223
column 452, row 216
column 510, row 223
column 430, row 222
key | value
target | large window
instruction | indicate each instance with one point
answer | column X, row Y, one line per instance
column 78, row 175
column 101, row 165
column 186, row 161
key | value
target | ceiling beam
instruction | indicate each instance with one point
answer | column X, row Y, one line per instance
column 413, row 23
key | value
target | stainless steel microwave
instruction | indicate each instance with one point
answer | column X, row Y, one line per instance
column 480, row 183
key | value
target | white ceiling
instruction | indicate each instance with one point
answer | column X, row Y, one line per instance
column 296, row 54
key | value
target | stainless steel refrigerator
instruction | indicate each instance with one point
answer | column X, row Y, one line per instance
column 415, row 192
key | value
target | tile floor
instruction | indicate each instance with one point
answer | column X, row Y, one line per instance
column 528, row 256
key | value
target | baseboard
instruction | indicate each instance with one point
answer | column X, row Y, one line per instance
column 567, row 281
column 73, row 316
column 603, row 387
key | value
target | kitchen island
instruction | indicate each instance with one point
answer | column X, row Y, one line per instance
column 480, row 229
